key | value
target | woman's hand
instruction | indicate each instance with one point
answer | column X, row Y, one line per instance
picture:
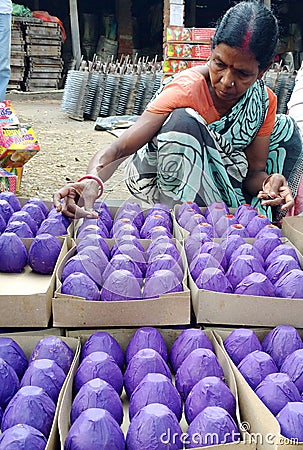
column 76, row 200
column 275, row 191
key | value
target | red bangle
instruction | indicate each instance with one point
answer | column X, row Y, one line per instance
column 92, row 177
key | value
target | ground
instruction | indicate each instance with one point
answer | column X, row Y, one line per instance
column 66, row 147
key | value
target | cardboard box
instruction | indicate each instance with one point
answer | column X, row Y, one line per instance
column 8, row 115
column 292, row 228
column 168, row 309
column 26, row 297
column 181, row 233
column 8, row 181
column 263, row 426
column 187, row 51
column 18, row 172
column 245, row 310
column 49, row 205
column 24, row 200
column 114, row 207
column 177, row 65
column 32, row 332
column 198, row 35
column 123, row 336
column 17, row 146
column 27, row 343
column 63, row 418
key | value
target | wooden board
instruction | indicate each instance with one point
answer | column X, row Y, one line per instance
column 17, row 48
column 46, row 68
column 44, row 32
column 42, row 83
column 43, row 61
column 44, row 75
column 17, row 61
column 43, row 41
column 44, row 50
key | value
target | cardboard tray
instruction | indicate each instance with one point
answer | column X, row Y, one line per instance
column 8, row 181
column 263, row 426
column 27, row 343
column 194, row 35
column 18, row 144
column 33, row 332
column 245, row 310
column 187, row 51
column 171, row 66
column 123, row 336
column 24, row 200
column 292, row 228
column 114, row 207
column 167, row 310
column 8, row 116
column 26, row 297
column 181, row 233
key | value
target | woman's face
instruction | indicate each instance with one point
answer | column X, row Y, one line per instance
column 232, row 71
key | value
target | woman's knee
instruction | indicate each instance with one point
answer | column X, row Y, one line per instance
column 182, row 120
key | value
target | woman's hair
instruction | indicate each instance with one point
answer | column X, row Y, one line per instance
column 249, row 25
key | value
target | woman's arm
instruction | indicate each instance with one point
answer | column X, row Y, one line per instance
column 273, row 190
column 256, row 154
column 105, row 161
column 71, row 197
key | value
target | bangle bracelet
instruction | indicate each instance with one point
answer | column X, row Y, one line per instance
column 92, row 177
column 266, row 181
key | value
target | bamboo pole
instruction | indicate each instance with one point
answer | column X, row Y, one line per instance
column 75, row 33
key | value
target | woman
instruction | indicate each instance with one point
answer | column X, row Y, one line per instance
column 211, row 133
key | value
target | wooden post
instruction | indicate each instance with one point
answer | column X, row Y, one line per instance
column 191, row 18
column 125, row 27
column 75, row 33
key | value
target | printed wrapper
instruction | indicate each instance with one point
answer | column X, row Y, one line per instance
column 17, row 171
column 201, row 35
column 177, row 65
column 17, row 146
column 187, row 51
column 8, row 115
column 8, row 181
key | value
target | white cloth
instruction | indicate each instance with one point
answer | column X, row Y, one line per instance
column 6, row 6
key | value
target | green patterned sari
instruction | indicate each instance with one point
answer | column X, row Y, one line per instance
column 190, row 160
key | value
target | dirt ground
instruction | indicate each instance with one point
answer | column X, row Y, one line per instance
column 66, row 147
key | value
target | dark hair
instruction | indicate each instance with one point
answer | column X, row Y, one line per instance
column 250, row 25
